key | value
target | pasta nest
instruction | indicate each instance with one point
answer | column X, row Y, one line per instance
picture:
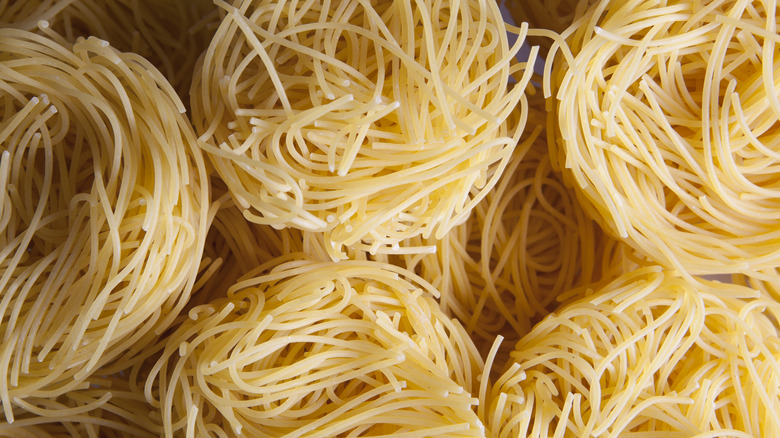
column 371, row 122
column 668, row 128
column 650, row 353
column 103, row 205
column 319, row 350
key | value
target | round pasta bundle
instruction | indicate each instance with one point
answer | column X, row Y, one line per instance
column 667, row 124
column 171, row 34
column 311, row 349
column 527, row 243
column 103, row 208
column 371, row 122
column 649, row 353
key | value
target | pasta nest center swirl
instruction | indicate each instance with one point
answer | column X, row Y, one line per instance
column 320, row 349
column 369, row 121
column 102, row 205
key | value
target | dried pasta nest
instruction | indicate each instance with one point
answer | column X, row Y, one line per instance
column 668, row 119
column 651, row 353
column 554, row 15
column 171, row 34
column 319, row 350
column 371, row 122
column 103, row 207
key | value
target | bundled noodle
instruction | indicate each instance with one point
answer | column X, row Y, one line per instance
column 103, row 208
column 667, row 125
column 651, row 354
column 371, row 122
column 319, row 350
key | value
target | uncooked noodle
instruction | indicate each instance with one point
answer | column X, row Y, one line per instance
column 311, row 349
column 651, row 353
column 103, row 207
column 371, row 123
column 667, row 127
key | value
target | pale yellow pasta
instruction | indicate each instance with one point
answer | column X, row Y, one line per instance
column 667, row 127
column 370, row 122
column 309, row 349
column 651, row 354
column 103, row 212
column 235, row 246
column 768, row 281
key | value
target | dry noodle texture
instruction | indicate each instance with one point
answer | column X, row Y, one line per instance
column 320, row 350
column 171, row 34
column 25, row 15
column 555, row 15
column 668, row 127
column 109, row 408
column 526, row 244
column 103, row 202
column 235, row 246
column 650, row 353
column 370, row 121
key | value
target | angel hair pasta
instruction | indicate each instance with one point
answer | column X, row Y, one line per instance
column 768, row 281
column 668, row 123
column 235, row 246
column 369, row 121
column 103, row 203
column 319, row 350
column 651, row 353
